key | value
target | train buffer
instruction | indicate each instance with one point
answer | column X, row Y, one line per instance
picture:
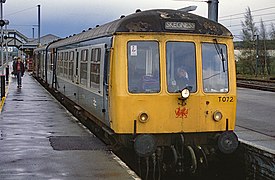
column 41, row 140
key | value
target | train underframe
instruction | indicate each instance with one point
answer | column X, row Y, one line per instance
column 180, row 153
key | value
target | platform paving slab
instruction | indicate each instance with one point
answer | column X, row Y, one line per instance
column 40, row 139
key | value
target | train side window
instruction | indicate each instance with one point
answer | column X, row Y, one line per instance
column 143, row 67
column 180, row 66
column 95, row 68
column 59, row 64
column 66, row 64
column 42, row 64
column 58, row 59
column 83, row 67
column 49, row 61
column 215, row 68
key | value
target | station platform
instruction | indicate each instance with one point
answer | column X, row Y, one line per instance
column 256, row 139
column 255, row 124
column 40, row 139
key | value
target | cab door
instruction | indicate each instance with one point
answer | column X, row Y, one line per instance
column 106, row 73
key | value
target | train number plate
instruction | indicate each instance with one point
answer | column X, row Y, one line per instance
column 225, row 99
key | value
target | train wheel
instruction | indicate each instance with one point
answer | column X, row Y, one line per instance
column 202, row 157
column 201, row 160
column 193, row 165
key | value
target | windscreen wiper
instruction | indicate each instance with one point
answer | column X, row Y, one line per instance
column 220, row 53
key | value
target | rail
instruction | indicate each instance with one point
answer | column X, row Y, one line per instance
column 264, row 85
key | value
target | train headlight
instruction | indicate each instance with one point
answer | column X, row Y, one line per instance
column 143, row 117
column 217, row 115
column 185, row 93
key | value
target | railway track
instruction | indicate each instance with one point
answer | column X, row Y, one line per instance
column 264, row 85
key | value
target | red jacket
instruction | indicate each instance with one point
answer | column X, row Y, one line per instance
column 22, row 67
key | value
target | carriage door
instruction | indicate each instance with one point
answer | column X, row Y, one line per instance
column 54, row 77
column 98, row 82
column 50, row 57
column 76, row 69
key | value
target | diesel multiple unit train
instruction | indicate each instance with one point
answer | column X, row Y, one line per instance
column 162, row 82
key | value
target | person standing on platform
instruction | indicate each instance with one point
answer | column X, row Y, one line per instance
column 19, row 70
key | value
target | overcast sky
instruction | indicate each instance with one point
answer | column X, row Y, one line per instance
column 67, row 17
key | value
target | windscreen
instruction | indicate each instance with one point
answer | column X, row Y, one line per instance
column 181, row 66
column 143, row 67
column 215, row 69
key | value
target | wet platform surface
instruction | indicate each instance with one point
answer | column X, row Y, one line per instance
column 255, row 123
column 39, row 139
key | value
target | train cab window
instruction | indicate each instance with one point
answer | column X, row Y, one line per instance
column 181, row 66
column 83, row 67
column 143, row 67
column 214, row 64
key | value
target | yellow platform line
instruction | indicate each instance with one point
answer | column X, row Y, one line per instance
column 6, row 93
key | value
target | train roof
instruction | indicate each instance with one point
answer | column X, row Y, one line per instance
column 159, row 20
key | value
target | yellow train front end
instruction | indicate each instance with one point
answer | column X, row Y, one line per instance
column 145, row 92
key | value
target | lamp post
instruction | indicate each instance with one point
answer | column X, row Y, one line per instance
column 213, row 10
column 6, row 29
column 213, row 6
column 2, row 23
column 38, row 25
column 257, row 54
column 32, row 33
